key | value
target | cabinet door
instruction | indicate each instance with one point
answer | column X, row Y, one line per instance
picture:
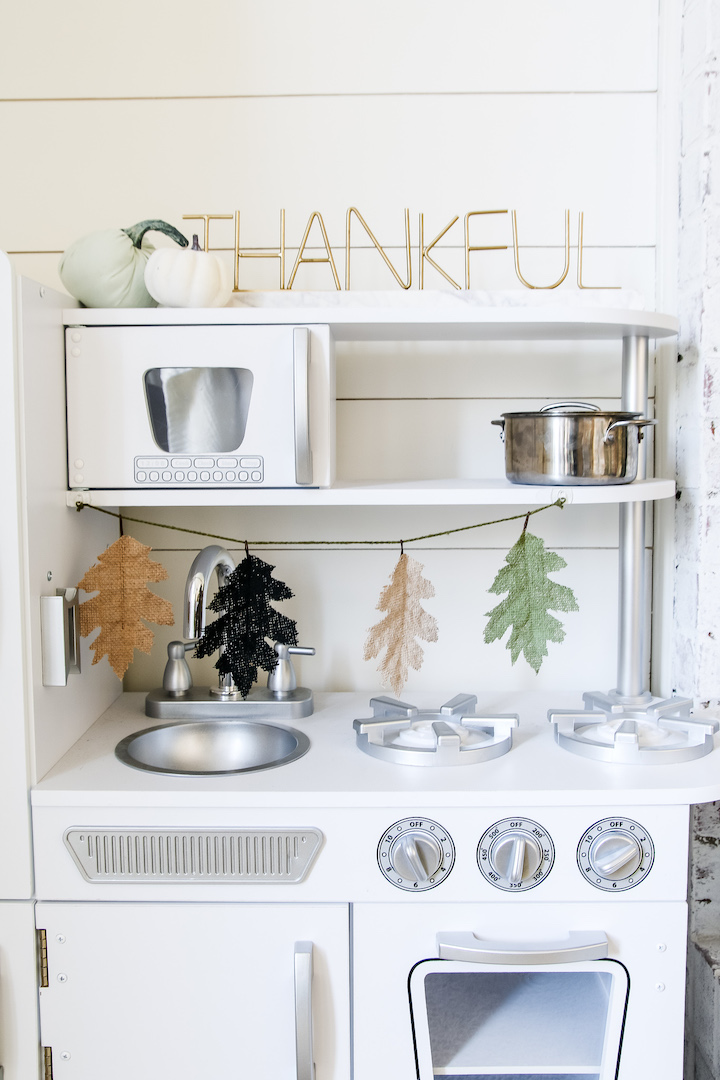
column 221, row 991
column 18, row 992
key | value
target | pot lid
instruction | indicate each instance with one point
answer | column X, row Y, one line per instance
column 573, row 413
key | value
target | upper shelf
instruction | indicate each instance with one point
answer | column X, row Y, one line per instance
column 401, row 493
column 401, row 317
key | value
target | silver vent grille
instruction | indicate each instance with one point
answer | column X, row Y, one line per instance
column 110, row 855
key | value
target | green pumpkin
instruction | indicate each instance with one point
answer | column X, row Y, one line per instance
column 107, row 268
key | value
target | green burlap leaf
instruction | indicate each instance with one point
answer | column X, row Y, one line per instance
column 531, row 597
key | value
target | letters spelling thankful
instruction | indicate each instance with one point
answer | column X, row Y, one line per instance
column 423, row 249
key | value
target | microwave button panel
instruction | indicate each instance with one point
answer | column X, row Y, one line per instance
column 151, row 463
column 515, row 854
column 615, row 854
column 416, row 854
column 220, row 471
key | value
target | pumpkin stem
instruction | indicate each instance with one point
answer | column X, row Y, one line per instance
column 136, row 232
column 195, row 243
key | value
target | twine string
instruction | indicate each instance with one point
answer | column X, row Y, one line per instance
column 325, row 543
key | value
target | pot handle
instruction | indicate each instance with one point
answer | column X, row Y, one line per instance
column 570, row 405
column 500, row 424
column 628, row 423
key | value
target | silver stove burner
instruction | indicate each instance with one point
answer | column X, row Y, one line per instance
column 453, row 735
column 650, row 732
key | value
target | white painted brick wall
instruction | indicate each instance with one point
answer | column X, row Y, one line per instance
column 696, row 645
column 696, row 660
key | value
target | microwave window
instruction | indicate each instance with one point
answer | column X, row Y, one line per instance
column 198, row 409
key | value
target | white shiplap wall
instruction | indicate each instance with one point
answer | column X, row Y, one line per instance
column 112, row 115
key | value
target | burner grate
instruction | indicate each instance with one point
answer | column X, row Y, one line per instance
column 453, row 735
column 657, row 732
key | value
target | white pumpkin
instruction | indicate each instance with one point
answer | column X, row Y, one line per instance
column 189, row 278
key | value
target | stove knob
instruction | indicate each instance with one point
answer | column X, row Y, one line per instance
column 615, row 854
column 416, row 858
column 416, row 854
column 515, row 854
column 515, row 857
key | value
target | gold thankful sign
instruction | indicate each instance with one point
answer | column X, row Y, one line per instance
column 423, row 249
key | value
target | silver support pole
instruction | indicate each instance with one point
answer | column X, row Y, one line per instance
column 631, row 583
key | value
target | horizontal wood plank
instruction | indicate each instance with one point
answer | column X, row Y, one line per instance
column 94, row 165
column 242, row 47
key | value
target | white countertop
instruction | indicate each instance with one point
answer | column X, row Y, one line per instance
column 335, row 773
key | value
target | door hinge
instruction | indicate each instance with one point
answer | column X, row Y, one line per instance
column 42, row 958
column 47, row 1062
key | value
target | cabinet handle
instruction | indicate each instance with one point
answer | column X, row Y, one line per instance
column 305, row 1066
column 60, row 637
column 577, row 946
column 301, row 395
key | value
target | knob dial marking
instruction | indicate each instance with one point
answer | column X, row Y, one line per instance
column 615, row 854
column 416, row 854
column 515, row 854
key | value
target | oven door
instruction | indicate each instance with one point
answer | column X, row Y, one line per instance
column 396, row 950
column 509, row 1009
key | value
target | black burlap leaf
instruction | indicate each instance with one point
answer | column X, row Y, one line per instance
column 246, row 621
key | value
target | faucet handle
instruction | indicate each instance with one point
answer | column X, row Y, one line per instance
column 177, row 679
column 282, row 678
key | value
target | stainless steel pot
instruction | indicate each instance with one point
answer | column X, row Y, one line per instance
column 571, row 442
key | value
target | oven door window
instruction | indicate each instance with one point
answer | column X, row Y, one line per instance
column 198, row 409
column 498, row 1022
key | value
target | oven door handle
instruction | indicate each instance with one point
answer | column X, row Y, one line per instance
column 577, row 946
column 305, row 1066
column 301, row 398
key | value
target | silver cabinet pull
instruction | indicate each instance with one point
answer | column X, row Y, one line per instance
column 301, row 396
column 60, row 637
column 577, row 946
column 305, row 1066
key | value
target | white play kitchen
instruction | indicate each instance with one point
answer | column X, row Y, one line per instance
column 326, row 885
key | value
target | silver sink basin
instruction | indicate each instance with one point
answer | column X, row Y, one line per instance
column 212, row 747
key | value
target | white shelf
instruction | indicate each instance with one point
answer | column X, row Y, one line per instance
column 400, row 493
column 411, row 317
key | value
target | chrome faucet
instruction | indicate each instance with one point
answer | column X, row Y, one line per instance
column 177, row 679
column 212, row 558
column 209, row 559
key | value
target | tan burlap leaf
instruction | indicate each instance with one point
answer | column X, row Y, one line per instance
column 123, row 600
column 405, row 621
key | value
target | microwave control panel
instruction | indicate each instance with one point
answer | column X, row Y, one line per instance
column 224, row 470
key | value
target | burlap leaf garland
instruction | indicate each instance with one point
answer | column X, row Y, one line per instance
column 123, row 601
column 531, row 597
column 246, row 619
column 405, row 621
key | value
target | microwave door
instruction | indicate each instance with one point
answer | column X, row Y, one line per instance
column 198, row 410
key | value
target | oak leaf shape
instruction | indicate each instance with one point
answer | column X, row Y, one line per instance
column 246, row 619
column 405, row 621
column 531, row 596
column 123, row 601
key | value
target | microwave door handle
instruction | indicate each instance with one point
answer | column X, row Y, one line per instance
column 305, row 1066
column 301, row 403
column 577, row 946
